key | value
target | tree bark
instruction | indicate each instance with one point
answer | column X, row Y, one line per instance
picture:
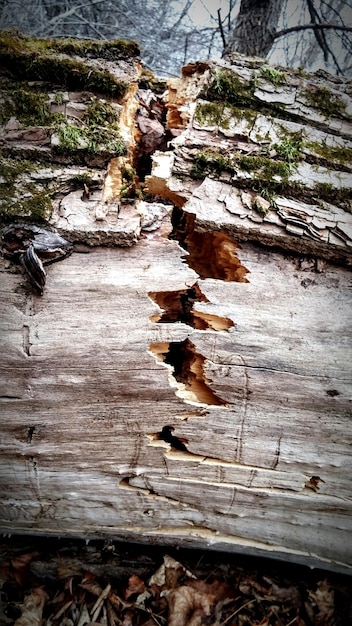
column 255, row 28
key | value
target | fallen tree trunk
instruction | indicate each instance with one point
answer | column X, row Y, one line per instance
column 185, row 376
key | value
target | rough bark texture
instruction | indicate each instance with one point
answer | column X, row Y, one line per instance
column 185, row 377
column 255, row 29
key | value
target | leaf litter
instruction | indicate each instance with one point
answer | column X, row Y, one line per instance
column 68, row 583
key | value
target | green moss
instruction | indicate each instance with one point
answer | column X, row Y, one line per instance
column 268, row 193
column 32, row 204
column 257, row 206
column 338, row 154
column 70, row 137
column 79, row 180
column 274, row 76
column 58, row 98
column 226, row 85
column 128, row 174
column 210, row 113
column 341, row 197
column 110, row 50
column 98, row 134
column 265, row 173
column 28, row 58
column 100, row 112
column 103, row 49
column 326, row 102
column 10, row 169
column 254, row 81
column 212, row 163
column 103, row 132
column 29, row 106
column 289, row 149
column 129, row 187
column 37, row 207
column 72, row 75
column 220, row 114
column 265, row 167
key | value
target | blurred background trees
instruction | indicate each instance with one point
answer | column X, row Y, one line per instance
column 314, row 34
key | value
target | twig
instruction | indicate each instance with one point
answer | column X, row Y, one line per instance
column 62, row 610
column 292, row 621
column 237, row 611
column 84, row 617
column 99, row 603
column 221, row 29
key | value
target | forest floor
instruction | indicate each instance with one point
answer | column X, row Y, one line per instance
column 63, row 582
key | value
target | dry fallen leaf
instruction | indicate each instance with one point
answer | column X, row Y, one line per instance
column 313, row 483
column 32, row 610
column 92, row 586
column 288, row 595
column 135, row 586
column 323, row 602
column 84, row 617
column 188, row 606
column 168, row 573
column 218, row 589
column 174, row 595
column 18, row 568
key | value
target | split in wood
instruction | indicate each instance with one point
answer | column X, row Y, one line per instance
column 313, row 483
column 211, row 254
column 167, row 435
column 188, row 371
column 178, row 306
column 30, row 433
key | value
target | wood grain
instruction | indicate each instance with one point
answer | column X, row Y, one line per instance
column 202, row 307
column 84, row 400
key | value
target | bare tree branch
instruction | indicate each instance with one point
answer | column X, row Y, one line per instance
column 221, row 29
column 292, row 29
column 92, row 27
column 319, row 34
column 73, row 10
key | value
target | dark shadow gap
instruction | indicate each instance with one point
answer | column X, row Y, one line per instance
column 178, row 306
column 188, row 370
column 210, row 254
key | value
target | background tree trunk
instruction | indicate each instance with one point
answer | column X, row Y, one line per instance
column 255, row 28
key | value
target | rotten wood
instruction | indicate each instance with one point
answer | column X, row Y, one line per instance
column 196, row 311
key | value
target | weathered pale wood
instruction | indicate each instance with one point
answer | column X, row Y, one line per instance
column 240, row 340
column 82, row 409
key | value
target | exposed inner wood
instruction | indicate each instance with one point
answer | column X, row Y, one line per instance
column 188, row 369
column 210, row 254
column 179, row 306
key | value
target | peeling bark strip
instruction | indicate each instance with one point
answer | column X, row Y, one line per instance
column 266, row 156
column 185, row 376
